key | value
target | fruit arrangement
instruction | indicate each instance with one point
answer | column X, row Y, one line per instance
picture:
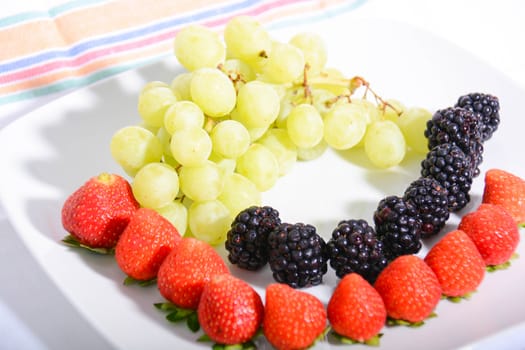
column 220, row 134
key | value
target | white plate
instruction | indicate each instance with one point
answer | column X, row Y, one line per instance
column 50, row 152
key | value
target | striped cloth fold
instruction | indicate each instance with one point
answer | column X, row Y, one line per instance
column 83, row 41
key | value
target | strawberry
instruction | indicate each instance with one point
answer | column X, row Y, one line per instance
column 292, row 319
column 507, row 190
column 145, row 243
column 494, row 232
column 457, row 263
column 409, row 288
column 186, row 270
column 355, row 309
column 97, row 213
column 230, row 311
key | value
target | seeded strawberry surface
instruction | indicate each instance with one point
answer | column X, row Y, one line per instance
column 145, row 243
column 494, row 232
column 356, row 310
column 97, row 213
column 457, row 263
column 409, row 288
column 185, row 271
column 292, row 319
column 508, row 190
column 230, row 311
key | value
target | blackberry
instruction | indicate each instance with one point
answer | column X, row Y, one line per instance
column 449, row 165
column 431, row 201
column 354, row 247
column 460, row 127
column 297, row 255
column 247, row 239
column 486, row 107
column 398, row 226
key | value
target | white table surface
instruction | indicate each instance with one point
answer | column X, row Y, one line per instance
column 492, row 30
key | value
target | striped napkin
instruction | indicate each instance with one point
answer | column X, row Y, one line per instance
column 47, row 54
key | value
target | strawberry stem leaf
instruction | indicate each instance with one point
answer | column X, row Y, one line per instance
column 177, row 314
column 398, row 322
column 460, row 298
column 128, row 281
column 374, row 341
column 74, row 243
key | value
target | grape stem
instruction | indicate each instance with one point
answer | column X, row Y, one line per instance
column 353, row 84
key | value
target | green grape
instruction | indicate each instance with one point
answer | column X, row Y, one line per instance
column 323, row 100
column 390, row 113
column 384, row 144
column 313, row 48
column 257, row 105
column 371, row 111
column 181, row 86
column 246, row 39
column 413, row 123
column 344, row 126
column 284, row 150
column 213, row 92
column 226, row 165
column 177, row 214
column 257, row 133
column 209, row 221
column 238, row 194
column 196, row 47
column 326, row 79
column 284, row 65
column 165, row 140
column 153, row 103
column 305, row 126
column 312, row 152
column 132, row 147
column 240, row 69
column 190, row 146
column 201, row 183
column 182, row 114
column 168, row 159
column 155, row 185
column 154, row 83
column 230, row 139
column 260, row 166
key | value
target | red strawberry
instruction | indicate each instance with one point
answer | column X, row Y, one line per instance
column 356, row 310
column 99, row 210
column 145, row 243
column 230, row 311
column 292, row 319
column 409, row 288
column 186, row 270
column 507, row 190
column 494, row 232
column 457, row 264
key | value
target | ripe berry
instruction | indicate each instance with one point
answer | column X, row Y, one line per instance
column 247, row 240
column 355, row 247
column 457, row 263
column 398, row 226
column 297, row 255
column 409, row 288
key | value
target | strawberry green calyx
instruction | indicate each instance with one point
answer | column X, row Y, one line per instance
column 459, row 299
column 176, row 314
column 74, row 243
column 106, row 178
column 396, row 322
column 374, row 341
column 249, row 345
column 504, row 266
column 128, row 281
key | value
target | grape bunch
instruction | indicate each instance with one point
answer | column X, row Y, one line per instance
column 245, row 110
